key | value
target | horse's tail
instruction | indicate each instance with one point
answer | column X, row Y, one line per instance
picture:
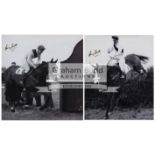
column 142, row 58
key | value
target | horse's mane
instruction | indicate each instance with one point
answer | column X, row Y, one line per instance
column 41, row 65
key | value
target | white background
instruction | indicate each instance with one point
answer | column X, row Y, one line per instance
column 101, row 17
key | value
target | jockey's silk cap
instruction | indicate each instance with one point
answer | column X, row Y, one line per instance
column 41, row 47
column 115, row 37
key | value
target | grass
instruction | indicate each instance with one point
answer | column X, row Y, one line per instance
column 33, row 113
column 124, row 114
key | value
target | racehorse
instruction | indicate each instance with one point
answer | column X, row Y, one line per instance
column 134, row 77
column 15, row 83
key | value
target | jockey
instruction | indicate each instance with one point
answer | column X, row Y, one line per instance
column 115, row 53
column 29, row 58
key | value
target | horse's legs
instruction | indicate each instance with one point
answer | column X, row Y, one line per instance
column 114, row 101
column 12, row 106
column 38, row 99
column 110, row 105
column 137, row 108
column 45, row 105
column 48, row 101
column 29, row 98
column 107, row 107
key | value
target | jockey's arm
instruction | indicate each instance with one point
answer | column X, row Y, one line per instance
column 30, row 61
column 38, row 59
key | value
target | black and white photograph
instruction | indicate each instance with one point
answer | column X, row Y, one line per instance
column 36, row 83
column 119, row 77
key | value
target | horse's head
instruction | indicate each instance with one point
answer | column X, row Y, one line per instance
column 42, row 71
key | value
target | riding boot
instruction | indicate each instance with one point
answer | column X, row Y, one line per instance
column 48, row 101
column 29, row 98
column 46, row 104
